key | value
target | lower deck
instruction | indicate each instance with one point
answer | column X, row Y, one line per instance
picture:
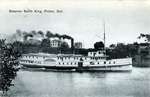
column 126, row 67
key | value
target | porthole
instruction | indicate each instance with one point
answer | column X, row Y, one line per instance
column 99, row 52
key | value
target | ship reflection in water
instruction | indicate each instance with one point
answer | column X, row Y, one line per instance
column 73, row 84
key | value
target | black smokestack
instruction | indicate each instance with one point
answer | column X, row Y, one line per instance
column 49, row 34
column 72, row 41
column 69, row 37
column 72, row 45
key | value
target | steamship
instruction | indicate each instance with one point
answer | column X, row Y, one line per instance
column 94, row 61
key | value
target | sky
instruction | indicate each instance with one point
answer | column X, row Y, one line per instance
column 81, row 19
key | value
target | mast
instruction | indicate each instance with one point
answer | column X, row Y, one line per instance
column 104, row 34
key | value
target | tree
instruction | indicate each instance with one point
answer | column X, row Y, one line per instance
column 45, row 45
column 8, row 65
column 147, row 36
column 99, row 45
column 18, row 46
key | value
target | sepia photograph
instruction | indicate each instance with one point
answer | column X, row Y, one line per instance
column 75, row 48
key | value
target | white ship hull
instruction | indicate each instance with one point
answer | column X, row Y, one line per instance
column 110, row 68
column 97, row 68
column 74, row 63
column 87, row 67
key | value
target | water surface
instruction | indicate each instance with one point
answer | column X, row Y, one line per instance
column 73, row 84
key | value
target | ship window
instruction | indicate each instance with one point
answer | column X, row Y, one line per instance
column 91, row 63
column 104, row 62
column 98, row 63
column 109, row 62
column 59, row 63
column 63, row 63
column 71, row 63
column 75, row 63
column 114, row 62
column 99, row 52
